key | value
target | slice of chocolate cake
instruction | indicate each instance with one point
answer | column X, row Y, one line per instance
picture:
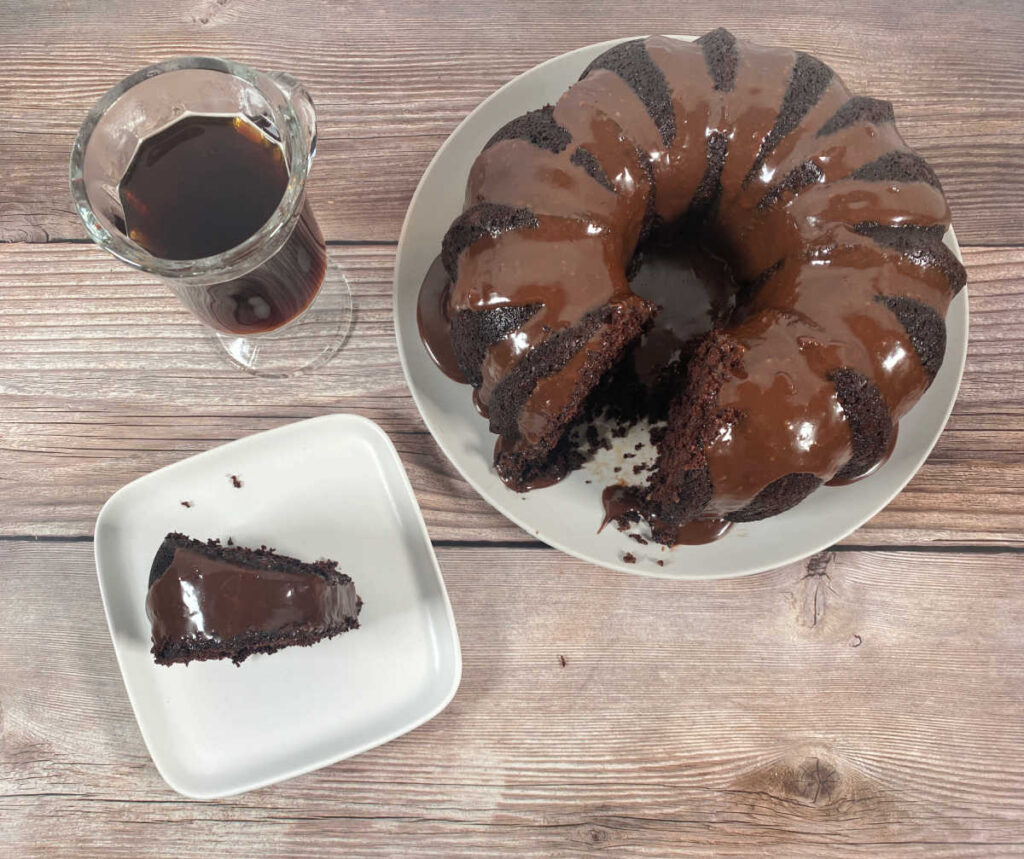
column 208, row 601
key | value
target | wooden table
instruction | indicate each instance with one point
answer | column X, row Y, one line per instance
column 868, row 700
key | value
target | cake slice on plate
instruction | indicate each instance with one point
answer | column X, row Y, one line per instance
column 208, row 601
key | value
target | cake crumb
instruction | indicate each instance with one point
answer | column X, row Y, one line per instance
column 629, row 558
column 186, row 503
column 628, row 455
column 235, row 481
column 660, row 562
column 617, row 469
column 638, row 445
column 639, row 539
column 562, row 660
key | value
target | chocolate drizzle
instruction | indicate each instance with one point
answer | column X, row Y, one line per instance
column 810, row 195
column 703, row 529
column 435, row 326
column 810, row 78
column 619, row 503
column 485, row 219
column 898, row 167
column 537, row 127
column 631, row 62
column 860, row 108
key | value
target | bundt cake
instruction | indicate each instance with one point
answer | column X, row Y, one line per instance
column 831, row 229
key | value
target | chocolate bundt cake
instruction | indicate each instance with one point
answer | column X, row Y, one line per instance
column 832, row 230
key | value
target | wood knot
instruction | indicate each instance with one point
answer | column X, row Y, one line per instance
column 813, row 590
column 817, row 565
column 208, row 12
column 817, row 781
column 811, row 778
column 593, row 835
column 28, row 233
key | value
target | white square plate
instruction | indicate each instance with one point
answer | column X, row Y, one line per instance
column 328, row 487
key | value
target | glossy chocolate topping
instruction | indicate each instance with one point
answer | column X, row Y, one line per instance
column 829, row 225
column 434, row 323
column 547, row 267
column 887, row 450
column 618, row 502
column 205, row 598
column 704, row 529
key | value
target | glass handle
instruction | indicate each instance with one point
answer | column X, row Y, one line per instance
column 302, row 103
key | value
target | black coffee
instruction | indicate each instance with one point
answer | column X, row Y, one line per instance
column 206, row 184
column 202, row 186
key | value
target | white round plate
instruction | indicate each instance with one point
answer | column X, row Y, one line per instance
column 567, row 515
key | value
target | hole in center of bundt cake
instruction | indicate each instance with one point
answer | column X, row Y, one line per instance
column 695, row 292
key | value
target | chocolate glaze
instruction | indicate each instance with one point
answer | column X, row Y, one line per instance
column 763, row 156
column 434, row 322
column 619, row 502
column 206, row 599
column 481, row 409
column 626, row 504
column 889, row 448
column 704, row 529
column 546, row 267
column 548, row 476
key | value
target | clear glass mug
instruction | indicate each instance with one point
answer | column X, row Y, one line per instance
column 275, row 302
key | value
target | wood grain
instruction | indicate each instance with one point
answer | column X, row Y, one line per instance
column 106, row 377
column 868, row 701
column 860, row 702
column 391, row 83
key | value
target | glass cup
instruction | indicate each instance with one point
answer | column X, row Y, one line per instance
column 277, row 305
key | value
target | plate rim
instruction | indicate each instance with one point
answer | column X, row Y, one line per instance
column 429, row 713
column 921, row 456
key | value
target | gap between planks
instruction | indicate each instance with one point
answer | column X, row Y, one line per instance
column 938, row 548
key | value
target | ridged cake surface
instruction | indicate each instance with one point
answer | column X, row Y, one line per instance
column 830, row 224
